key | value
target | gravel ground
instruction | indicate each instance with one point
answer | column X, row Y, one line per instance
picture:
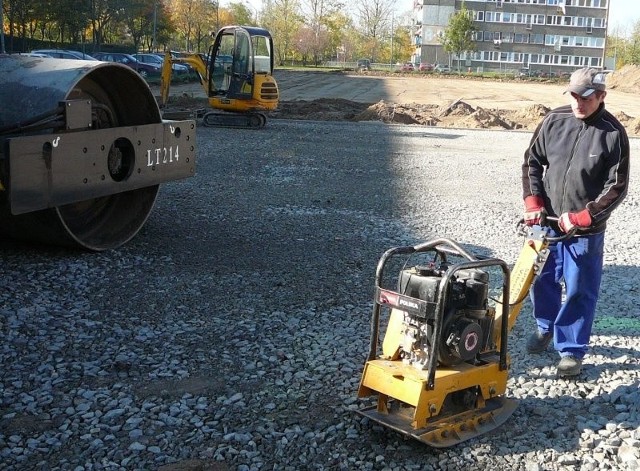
column 230, row 334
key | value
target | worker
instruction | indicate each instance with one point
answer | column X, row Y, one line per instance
column 576, row 168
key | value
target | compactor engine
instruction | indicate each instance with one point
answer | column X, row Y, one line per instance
column 467, row 322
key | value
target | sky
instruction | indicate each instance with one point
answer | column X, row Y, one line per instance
column 623, row 14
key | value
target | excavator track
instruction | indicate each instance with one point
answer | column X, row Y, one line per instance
column 234, row 120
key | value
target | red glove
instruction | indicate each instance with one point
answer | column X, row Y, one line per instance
column 568, row 221
column 534, row 211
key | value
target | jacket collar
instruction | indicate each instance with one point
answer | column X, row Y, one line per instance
column 597, row 114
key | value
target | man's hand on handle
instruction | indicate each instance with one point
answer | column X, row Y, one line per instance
column 568, row 221
column 534, row 212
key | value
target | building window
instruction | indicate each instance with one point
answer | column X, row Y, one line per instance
column 536, row 38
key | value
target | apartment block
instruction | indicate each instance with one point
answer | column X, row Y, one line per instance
column 548, row 36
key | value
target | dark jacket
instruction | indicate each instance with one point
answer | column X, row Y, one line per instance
column 575, row 164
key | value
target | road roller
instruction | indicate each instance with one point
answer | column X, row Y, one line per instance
column 83, row 151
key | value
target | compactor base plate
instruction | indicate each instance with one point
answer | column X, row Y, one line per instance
column 447, row 430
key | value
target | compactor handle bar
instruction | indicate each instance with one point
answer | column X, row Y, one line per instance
column 523, row 229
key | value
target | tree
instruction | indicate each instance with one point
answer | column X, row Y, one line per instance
column 623, row 45
column 241, row 14
column 139, row 21
column 458, row 35
column 282, row 19
column 375, row 19
column 339, row 25
column 632, row 52
column 195, row 20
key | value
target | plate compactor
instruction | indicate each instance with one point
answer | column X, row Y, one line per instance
column 440, row 373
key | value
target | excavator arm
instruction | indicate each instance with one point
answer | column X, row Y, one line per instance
column 193, row 60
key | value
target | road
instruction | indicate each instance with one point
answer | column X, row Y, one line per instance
column 239, row 316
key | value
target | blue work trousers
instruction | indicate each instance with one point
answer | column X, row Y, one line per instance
column 578, row 261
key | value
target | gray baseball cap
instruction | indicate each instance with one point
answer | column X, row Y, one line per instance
column 585, row 81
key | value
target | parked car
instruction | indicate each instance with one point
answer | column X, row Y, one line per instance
column 224, row 60
column 64, row 54
column 180, row 71
column 441, row 68
column 180, row 54
column 407, row 67
column 425, row 67
column 363, row 64
column 525, row 72
column 145, row 70
column 33, row 54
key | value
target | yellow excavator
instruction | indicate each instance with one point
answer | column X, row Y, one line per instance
column 236, row 75
column 440, row 373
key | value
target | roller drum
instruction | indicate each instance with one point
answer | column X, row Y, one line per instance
column 31, row 87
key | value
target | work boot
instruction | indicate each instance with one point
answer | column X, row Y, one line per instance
column 569, row 366
column 538, row 342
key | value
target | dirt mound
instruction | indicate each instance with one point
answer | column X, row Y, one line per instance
column 458, row 114
column 402, row 114
column 457, row 108
column 483, row 119
column 627, row 79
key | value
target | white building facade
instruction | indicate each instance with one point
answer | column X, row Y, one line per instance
column 550, row 36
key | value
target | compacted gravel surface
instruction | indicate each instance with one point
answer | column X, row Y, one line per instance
column 231, row 333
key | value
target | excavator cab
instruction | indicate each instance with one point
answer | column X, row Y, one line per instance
column 237, row 77
column 240, row 74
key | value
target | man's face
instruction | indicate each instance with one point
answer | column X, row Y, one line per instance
column 585, row 107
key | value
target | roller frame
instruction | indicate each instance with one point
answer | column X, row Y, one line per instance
column 51, row 170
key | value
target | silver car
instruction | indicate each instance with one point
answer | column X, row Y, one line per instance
column 64, row 54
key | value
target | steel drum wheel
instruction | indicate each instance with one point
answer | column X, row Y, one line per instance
column 106, row 222
column 110, row 221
